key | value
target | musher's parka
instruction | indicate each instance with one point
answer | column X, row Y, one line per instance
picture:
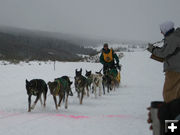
column 107, row 58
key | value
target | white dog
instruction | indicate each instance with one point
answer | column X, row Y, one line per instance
column 97, row 83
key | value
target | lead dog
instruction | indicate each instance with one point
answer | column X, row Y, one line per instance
column 80, row 85
column 36, row 87
column 89, row 80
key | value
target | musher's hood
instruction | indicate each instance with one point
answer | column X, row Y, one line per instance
column 166, row 26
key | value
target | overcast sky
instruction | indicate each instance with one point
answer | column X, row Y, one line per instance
column 120, row 19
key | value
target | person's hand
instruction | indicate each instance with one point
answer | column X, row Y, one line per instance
column 149, row 120
column 118, row 66
column 150, row 48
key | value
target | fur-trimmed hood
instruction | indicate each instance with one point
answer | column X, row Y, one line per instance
column 166, row 26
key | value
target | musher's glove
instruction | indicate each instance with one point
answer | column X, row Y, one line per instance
column 119, row 66
column 150, row 48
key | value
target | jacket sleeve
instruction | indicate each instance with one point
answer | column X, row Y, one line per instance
column 101, row 59
column 168, row 48
column 115, row 56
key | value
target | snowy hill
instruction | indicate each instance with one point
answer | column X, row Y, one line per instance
column 121, row 112
column 18, row 44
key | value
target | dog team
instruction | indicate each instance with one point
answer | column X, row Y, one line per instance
column 62, row 87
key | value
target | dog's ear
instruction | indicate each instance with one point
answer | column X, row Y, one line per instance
column 27, row 81
column 81, row 70
column 76, row 71
column 71, row 83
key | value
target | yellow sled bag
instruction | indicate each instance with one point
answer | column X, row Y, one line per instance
column 118, row 78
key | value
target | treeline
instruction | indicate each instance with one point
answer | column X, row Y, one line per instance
column 27, row 47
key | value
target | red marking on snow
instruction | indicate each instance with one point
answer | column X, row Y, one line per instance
column 1, row 112
column 118, row 116
column 7, row 114
column 86, row 117
column 72, row 116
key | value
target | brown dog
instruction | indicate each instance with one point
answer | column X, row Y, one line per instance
column 61, row 87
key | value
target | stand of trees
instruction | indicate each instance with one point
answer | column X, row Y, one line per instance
column 27, row 47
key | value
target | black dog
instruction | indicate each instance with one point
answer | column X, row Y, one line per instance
column 36, row 87
column 81, row 84
column 106, row 82
column 61, row 87
column 89, row 79
column 110, row 80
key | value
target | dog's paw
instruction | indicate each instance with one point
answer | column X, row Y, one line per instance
column 33, row 106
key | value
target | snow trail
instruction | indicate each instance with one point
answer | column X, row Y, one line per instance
column 119, row 112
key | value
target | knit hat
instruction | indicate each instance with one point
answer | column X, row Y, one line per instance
column 166, row 26
column 105, row 44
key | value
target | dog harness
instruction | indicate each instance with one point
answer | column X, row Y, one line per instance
column 113, row 72
column 89, row 80
column 60, row 83
column 108, row 57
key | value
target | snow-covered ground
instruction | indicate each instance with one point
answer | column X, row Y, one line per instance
column 121, row 112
